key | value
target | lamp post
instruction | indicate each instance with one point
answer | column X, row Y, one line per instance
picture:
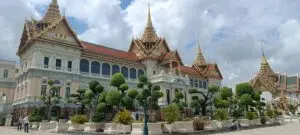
column 145, row 104
column 145, row 119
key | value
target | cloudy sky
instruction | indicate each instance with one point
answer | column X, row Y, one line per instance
column 231, row 32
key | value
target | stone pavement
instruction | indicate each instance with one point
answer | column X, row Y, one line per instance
column 287, row 129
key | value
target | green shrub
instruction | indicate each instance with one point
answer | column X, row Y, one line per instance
column 221, row 114
column 123, row 117
column 171, row 113
column 35, row 118
column 251, row 115
column 79, row 119
column 98, row 117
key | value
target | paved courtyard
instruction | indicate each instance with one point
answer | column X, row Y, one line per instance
column 287, row 129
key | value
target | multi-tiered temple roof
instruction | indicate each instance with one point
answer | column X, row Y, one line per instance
column 266, row 79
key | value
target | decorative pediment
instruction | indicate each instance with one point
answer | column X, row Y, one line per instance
column 60, row 31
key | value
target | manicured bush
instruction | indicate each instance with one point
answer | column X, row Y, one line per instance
column 123, row 117
column 113, row 97
column 98, row 117
column 171, row 113
column 251, row 115
column 33, row 118
column 79, row 119
column 221, row 114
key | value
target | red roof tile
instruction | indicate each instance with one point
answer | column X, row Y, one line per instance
column 109, row 51
column 189, row 70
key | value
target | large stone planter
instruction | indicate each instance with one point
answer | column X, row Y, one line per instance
column 45, row 125
column 110, row 128
column 226, row 123
column 182, row 126
column 211, row 125
column 93, row 127
column 76, row 127
column 153, row 128
column 61, row 127
column 245, row 123
column 171, row 128
column 34, row 125
column 124, row 129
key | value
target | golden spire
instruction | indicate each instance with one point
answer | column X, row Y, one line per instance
column 53, row 13
column 199, row 58
column 149, row 34
column 264, row 65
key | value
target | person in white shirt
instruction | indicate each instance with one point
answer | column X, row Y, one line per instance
column 26, row 124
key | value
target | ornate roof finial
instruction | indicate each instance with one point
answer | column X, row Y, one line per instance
column 199, row 57
column 53, row 13
column 265, row 67
column 149, row 34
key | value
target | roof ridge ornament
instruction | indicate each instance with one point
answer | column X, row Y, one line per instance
column 199, row 60
column 53, row 13
column 149, row 34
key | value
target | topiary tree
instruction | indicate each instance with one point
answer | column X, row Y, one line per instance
column 243, row 88
column 92, row 96
column 79, row 99
column 171, row 113
column 113, row 98
column 178, row 97
column 225, row 93
column 118, row 81
column 221, row 114
column 51, row 99
column 148, row 98
column 207, row 97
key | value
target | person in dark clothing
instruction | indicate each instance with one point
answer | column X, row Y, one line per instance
column 20, row 122
column 26, row 124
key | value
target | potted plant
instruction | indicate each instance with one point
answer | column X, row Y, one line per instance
column 251, row 116
column 171, row 114
column 34, row 120
column 96, row 124
column 221, row 115
column 198, row 123
column 124, row 120
column 77, row 122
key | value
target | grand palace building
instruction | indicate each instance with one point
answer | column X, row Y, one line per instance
column 50, row 50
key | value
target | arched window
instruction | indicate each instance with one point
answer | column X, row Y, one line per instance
column 105, row 69
column 196, row 83
column 141, row 72
column 204, row 84
column 192, row 82
column 132, row 73
column 95, row 67
column 185, row 99
column 5, row 74
column 115, row 69
column 168, row 96
column 124, row 71
column 84, row 65
column 200, row 84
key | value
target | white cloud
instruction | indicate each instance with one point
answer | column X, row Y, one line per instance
column 228, row 30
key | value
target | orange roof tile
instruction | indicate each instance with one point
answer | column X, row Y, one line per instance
column 189, row 70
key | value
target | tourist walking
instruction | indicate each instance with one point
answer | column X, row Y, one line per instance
column 20, row 123
column 26, row 124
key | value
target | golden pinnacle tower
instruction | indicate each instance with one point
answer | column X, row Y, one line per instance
column 149, row 35
column 199, row 60
column 53, row 13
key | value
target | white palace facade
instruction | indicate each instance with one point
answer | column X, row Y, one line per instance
column 50, row 50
